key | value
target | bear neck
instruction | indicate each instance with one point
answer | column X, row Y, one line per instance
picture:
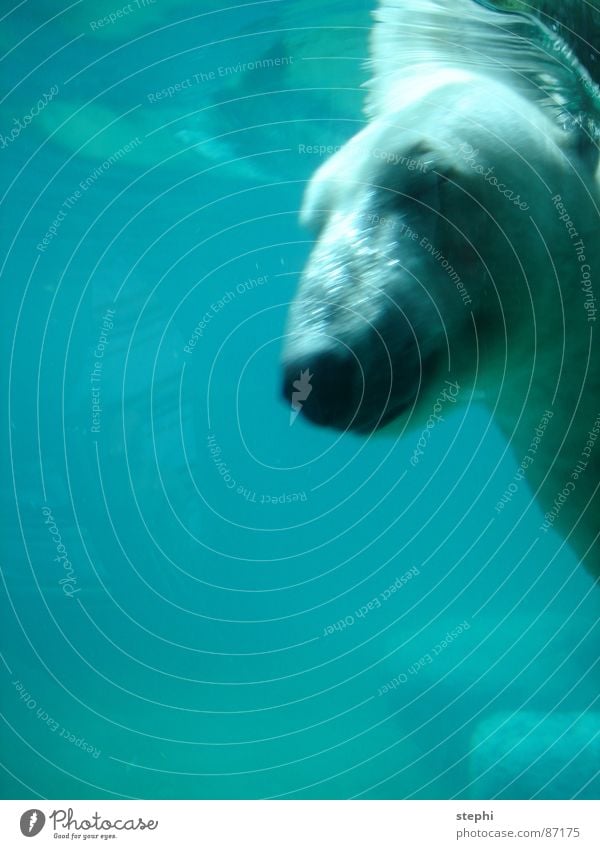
column 556, row 369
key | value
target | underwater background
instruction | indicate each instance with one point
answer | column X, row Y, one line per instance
column 202, row 595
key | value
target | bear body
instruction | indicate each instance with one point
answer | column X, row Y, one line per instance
column 528, row 755
column 457, row 239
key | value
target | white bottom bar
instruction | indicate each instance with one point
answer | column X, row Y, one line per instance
column 301, row 824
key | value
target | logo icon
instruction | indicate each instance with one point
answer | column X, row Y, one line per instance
column 302, row 391
column 32, row 822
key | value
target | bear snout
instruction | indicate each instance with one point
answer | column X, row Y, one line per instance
column 360, row 387
column 321, row 384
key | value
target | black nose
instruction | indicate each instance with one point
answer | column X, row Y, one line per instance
column 324, row 385
column 362, row 386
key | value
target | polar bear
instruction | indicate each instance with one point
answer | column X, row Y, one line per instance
column 457, row 240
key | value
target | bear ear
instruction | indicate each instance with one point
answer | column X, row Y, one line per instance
column 315, row 206
column 320, row 195
column 328, row 182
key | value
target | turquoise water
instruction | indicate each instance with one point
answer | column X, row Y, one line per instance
column 201, row 598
